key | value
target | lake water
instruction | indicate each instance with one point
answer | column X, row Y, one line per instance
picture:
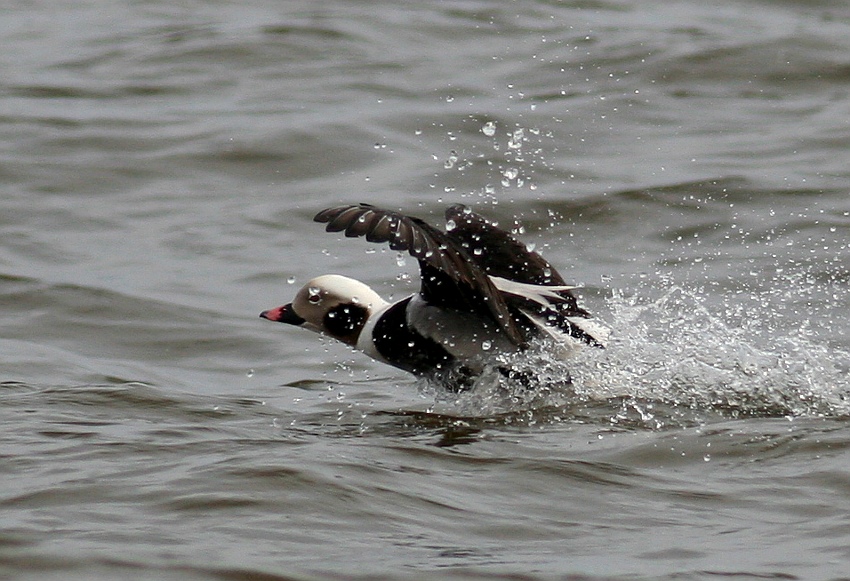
column 686, row 163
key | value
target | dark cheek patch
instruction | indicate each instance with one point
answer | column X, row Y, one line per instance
column 345, row 321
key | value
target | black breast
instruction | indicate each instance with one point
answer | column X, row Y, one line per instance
column 406, row 349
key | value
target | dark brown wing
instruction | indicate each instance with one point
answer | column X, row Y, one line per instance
column 450, row 278
column 500, row 254
column 497, row 251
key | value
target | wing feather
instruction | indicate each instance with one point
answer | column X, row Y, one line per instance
column 450, row 276
column 497, row 251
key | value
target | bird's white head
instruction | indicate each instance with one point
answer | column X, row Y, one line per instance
column 331, row 304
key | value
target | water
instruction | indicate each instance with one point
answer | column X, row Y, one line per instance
column 160, row 164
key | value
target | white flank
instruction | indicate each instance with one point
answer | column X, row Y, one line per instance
column 464, row 335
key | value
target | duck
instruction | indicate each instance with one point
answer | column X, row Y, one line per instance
column 483, row 295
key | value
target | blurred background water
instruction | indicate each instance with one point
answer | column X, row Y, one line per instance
column 160, row 163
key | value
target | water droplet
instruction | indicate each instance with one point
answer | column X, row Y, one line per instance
column 489, row 129
column 401, row 259
column 477, row 251
column 250, row 373
column 290, row 280
column 516, row 139
column 450, row 225
column 450, row 162
column 485, row 345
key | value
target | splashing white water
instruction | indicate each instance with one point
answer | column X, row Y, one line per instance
column 674, row 354
column 677, row 351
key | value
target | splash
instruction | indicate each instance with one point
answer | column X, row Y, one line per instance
column 676, row 350
column 537, row 380
column 678, row 358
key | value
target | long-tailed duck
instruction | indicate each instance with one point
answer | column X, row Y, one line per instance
column 483, row 293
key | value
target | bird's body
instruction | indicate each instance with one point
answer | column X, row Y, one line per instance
column 483, row 294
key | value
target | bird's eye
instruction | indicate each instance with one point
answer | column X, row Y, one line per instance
column 314, row 295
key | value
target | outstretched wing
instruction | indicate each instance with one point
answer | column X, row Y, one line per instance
column 498, row 253
column 450, row 277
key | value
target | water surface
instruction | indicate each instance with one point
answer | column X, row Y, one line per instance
column 160, row 164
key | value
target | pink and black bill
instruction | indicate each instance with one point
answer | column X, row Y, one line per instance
column 283, row 314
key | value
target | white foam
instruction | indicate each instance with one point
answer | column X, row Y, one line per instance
column 675, row 354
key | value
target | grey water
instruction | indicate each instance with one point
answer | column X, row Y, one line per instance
column 686, row 163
